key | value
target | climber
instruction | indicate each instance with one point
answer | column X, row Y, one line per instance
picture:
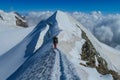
column 55, row 42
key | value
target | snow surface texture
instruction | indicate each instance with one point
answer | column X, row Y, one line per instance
column 37, row 60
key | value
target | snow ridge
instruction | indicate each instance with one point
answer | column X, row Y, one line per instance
column 39, row 61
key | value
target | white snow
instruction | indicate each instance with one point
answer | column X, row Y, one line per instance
column 70, row 42
column 12, row 57
column 8, row 18
column 10, row 34
column 70, row 38
column 67, row 56
column 41, row 38
column 109, row 54
column 56, row 69
column 94, row 75
column 11, row 37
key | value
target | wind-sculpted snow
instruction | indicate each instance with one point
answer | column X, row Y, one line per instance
column 16, row 56
column 42, row 68
column 39, row 69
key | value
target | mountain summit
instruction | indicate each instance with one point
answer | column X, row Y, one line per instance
column 79, row 55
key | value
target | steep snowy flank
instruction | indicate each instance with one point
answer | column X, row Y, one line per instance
column 79, row 56
column 71, row 35
column 9, row 37
column 21, row 51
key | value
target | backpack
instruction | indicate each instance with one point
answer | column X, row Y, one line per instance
column 55, row 40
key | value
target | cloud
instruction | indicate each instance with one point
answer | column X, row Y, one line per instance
column 105, row 32
column 105, row 27
column 118, row 47
column 33, row 18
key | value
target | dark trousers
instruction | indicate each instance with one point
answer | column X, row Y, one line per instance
column 55, row 45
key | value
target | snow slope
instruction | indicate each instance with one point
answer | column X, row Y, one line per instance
column 10, row 37
column 10, row 33
column 34, row 57
column 20, row 51
column 108, row 53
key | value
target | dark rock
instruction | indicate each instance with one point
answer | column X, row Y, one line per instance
column 1, row 17
column 102, row 66
column 115, row 75
column 90, row 55
column 20, row 21
column 83, row 64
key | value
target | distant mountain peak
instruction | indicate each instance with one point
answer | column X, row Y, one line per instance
column 57, row 14
column 61, row 18
column 12, row 18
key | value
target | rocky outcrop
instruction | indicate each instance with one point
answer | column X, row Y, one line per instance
column 102, row 66
column 20, row 21
column 1, row 17
column 91, row 56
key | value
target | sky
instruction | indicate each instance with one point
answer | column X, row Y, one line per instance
column 107, row 6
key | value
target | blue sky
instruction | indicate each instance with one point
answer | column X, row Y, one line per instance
column 107, row 6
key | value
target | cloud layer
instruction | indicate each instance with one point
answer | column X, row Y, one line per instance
column 105, row 27
column 34, row 18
